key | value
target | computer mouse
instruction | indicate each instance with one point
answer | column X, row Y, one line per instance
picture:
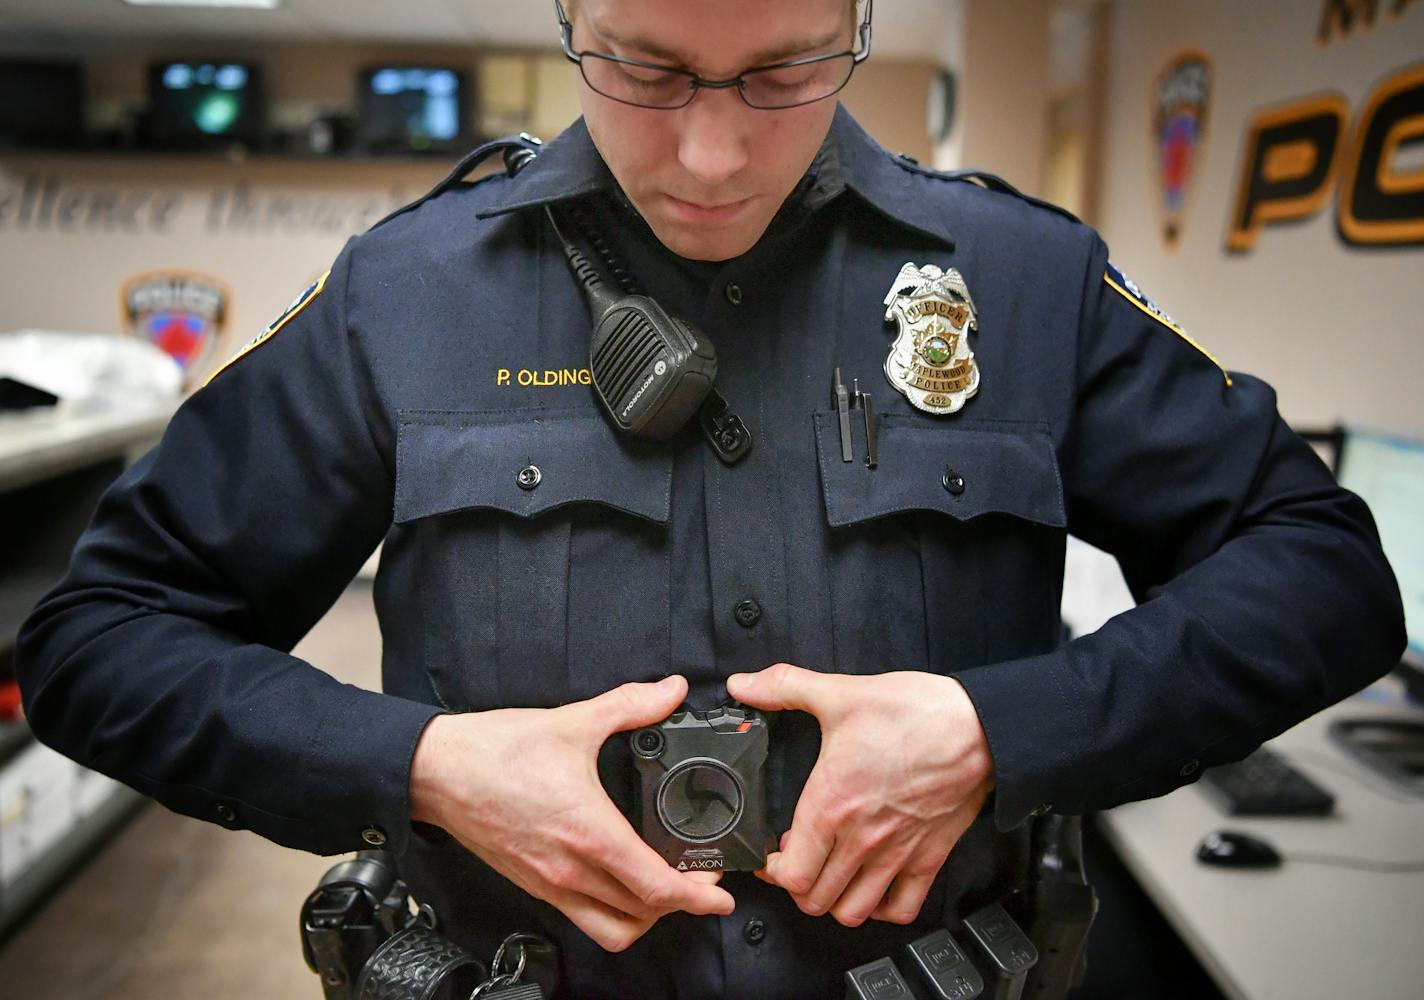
column 1234, row 849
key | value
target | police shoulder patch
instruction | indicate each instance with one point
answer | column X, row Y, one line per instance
column 290, row 313
column 1129, row 290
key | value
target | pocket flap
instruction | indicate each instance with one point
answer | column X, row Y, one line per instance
column 1004, row 471
column 457, row 461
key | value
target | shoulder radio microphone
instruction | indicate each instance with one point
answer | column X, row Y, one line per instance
column 652, row 371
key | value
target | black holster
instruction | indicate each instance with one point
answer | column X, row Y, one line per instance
column 1059, row 906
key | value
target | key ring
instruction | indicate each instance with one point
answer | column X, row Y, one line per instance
column 500, row 979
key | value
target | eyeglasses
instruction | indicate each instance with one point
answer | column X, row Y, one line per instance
column 768, row 88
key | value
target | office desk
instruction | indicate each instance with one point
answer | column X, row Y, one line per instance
column 41, row 443
column 54, row 464
column 1302, row 930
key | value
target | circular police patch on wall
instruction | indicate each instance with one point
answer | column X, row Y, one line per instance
column 180, row 312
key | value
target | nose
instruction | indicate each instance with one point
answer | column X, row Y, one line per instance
column 715, row 127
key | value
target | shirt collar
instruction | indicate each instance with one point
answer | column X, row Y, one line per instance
column 570, row 167
column 895, row 186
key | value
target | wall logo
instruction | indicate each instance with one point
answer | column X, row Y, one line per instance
column 1179, row 120
column 1298, row 153
column 181, row 312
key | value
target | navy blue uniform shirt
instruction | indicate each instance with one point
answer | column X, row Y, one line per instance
column 443, row 354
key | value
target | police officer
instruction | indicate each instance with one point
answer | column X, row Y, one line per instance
column 547, row 582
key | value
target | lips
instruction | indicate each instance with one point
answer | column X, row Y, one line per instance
column 705, row 214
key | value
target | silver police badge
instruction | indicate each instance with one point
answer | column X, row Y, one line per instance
column 930, row 361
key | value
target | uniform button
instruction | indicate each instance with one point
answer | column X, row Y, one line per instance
column 733, row 291
column 747, row 613
column 953, row 482
column 374, row 836
column 1190, row 768
column 225, row 813
column 529, row 477
column 754, row 932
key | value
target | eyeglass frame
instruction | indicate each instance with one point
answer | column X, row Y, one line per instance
column 696, row 83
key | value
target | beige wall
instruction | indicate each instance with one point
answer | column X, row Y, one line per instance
column 889, row 98
column 75, row 229
column 1004, row 89
column 1338, row 330
column 999, row 52
column 265, row 226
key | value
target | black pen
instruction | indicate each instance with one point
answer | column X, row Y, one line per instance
column 861, row 401
column 870, row 456
column 840, row 399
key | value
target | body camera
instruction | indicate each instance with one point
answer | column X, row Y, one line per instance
column 702, row 790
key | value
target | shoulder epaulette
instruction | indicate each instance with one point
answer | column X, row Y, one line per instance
column 517, row 149
column 983, row 179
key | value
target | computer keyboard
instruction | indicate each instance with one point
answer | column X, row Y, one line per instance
column 1264, row 784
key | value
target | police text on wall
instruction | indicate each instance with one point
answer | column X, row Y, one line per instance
column 45, row 202
column 1297, row 153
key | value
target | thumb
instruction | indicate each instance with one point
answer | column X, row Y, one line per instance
column 634, row 705
column 705, row 877
column 780, row 686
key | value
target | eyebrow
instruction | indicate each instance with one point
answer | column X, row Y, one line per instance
column 766, row 57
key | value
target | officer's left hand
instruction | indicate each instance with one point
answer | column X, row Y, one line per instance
column 903, row 770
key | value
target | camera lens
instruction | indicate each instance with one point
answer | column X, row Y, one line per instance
column 700, row 800
column 648, row 742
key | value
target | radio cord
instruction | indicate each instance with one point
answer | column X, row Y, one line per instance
column 582, row 218
column 600, row 297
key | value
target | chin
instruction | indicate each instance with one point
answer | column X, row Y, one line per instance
column 695, row 244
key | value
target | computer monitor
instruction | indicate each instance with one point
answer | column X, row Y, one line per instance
column 41, row 104
column 205, row 104
column 1387, row 471
column 413, row 109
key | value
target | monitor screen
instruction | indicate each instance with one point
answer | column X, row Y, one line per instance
column 413, row 109
column 1388, row 473
column 41, row 105
column 205, row 104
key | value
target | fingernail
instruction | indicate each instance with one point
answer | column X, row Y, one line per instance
column 737, row 679
column 668, row 682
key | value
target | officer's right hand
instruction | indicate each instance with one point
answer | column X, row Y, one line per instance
column 519, row 788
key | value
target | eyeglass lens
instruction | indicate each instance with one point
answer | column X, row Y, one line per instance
column 780, row 87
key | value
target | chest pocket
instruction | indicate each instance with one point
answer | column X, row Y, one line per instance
column 949, row 553
column 536, row 544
